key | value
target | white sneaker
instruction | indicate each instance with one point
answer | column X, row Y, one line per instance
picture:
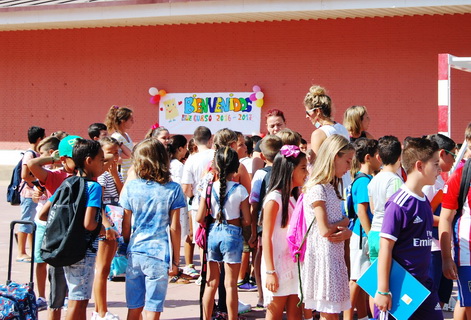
column 243, row 308
column 108, row 316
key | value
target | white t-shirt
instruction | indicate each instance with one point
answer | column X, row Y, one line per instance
column 247, row 162
column 381, row 187
column 176, row 170
column 336, row 128
column 232, row 203
column 195, row 166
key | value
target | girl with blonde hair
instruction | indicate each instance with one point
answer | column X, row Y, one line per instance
column 356, row 120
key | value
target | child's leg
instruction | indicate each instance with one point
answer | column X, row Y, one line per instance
column 257, row 272
column 329, row 316
column 77, row 310
column 230, row 283
column 106, row 252
column 41, row 275
column 134, row 313
column 152, row 315
column 292, row 310
column 276, row 307
column 212, row 283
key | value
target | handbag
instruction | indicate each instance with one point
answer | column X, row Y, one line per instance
column 201, row 234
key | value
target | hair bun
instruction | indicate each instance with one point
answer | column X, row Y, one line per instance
column 317, row 91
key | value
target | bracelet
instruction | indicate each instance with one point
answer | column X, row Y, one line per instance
column 175, row 264
column 106, row 229
column 388, row 293
column 270, row 271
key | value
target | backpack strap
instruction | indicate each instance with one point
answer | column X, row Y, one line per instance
column 358, row 176
column 24, row 182
column 216, row 197
column 464, row 187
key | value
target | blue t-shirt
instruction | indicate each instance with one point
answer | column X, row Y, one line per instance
column 151, row 203
column 360, row 195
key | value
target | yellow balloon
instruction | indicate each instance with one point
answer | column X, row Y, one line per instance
column 162, row 93
column 259, row 103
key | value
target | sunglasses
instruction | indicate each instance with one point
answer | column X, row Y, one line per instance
column 453, row 154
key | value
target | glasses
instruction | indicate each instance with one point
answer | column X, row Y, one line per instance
column 453, row 154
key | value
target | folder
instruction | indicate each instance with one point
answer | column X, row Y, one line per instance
column 407, row 292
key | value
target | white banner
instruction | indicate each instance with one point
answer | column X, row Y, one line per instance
column 182, row 113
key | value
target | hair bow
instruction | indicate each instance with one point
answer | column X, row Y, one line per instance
column 290, row 151
column 116, row 107
column 155, row 126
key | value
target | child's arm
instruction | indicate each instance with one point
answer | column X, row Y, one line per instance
column 90, row 222
column 125, row 152
column 36, row 167
column 244, row 178
column 113, row 170
column 45, row 211
column 246, row 216
column 175, row 234
column 270, row 210
column 342, row 234
column 253, row 224
column 445, row 234
column 325, row 228
column 363, row 216
column 127, row 225
column 187, row 190
column 201, row 214
column 382, row 297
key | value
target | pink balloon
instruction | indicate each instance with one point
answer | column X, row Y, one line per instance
column 252, row 97
column 256, row 89
column 155, row 99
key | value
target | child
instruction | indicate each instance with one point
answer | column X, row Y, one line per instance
column 150, row 197
column 382, row 187
column 356, row 120
column 28, row 207
column 51, row 180
column 324, row 276
column 434, row 194
column 112, row 182
column 46, row 147
column 97, row 131
column 119, row 120
column 459, row 266
column 193, row 170
column 289, row 137
column 269, row 146
column 366, row 153
column 160, row 133
column 280, row 280
column 225, row 241
column 406, row 234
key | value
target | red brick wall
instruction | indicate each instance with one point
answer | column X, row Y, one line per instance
column 67, row 79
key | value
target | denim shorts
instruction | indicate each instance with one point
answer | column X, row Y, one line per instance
column 225, row 243
column 38, row 240
column 28, row 212
column 146, row 282
column 80, row 277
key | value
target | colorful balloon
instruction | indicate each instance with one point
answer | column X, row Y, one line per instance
column 256, row 89
column 155, row 99
column 259, row 103
column 153, row 91
column 259, row 95
column 162, row 93
column 252, row 97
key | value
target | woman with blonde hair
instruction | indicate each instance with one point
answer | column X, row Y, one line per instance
column 357, row 121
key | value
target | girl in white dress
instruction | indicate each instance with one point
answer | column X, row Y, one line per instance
column 279, row 273
column 324, row 277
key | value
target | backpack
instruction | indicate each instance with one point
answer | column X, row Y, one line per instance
column 263, row 193
column 296, row 237
column 15, row 186
column 349, row 205
column 66, row 240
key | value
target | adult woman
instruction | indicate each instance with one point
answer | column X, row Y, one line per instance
column 356, row 120
column 319, row 111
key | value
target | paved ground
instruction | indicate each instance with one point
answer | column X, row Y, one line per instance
column 182, row 299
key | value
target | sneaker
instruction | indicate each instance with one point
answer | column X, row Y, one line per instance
column 191, row 271
column 198, row 281
column 108, row 316
column 243, row 307
column 247, row 287
column 66, row 303
column 42, row 304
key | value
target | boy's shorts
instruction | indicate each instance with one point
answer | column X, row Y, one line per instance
column 359, row 259
column 373, row 245
column 246, row 233
column 194, row 223
column 146, row 282
column 464, row 286
column 80, row 277
column 225, row 243
column 184, row 223
column 28, row 212
column 38, row 240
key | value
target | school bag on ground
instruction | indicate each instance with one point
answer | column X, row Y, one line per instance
column 296, row 237
column 66, row 240
column 16, row 183
column 18, row 301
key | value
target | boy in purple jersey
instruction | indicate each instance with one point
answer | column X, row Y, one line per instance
column 406, row 234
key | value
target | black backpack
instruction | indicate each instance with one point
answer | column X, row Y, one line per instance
column 15, row 186
column 66, row 240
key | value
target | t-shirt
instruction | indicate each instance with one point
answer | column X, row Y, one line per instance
column 247, row 163
column 408, row 221
column 54, row 179
column 380, row 189
column 256, row 189
column 125, row 163
column 336, row 128
column 431, row 192
column 195, row 166
column 461, row 230
column 110, row 193
column 151, row 203
column 27, row 191
column 360, row 195
column 176, row 170
column 232, row 203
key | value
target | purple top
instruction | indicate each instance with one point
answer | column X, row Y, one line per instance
column 408, row 221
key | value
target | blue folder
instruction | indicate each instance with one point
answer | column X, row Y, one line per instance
column 407, row 292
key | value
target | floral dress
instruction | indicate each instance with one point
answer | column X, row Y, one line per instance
column 324, row 276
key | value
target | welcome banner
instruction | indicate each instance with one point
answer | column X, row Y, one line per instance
column 182, row 113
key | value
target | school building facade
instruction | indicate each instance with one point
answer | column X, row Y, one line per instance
column 64, row 63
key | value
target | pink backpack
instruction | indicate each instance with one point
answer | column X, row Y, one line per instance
column 297, row 231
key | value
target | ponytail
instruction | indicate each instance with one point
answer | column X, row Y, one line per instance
column 227, row 162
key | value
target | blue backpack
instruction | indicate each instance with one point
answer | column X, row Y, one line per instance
column 15, row 186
